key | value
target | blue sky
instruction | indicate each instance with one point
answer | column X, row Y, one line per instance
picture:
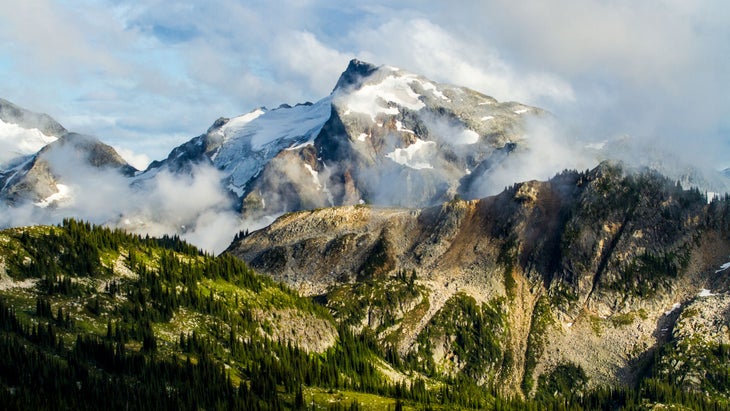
column 148, row 75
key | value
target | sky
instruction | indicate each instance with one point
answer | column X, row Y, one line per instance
column 147, row 75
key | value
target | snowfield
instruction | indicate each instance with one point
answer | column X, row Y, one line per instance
column 415, row 156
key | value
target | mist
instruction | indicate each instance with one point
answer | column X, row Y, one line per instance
column 196, row 206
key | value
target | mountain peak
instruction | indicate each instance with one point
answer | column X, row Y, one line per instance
column 95, row 152
column 355, row 71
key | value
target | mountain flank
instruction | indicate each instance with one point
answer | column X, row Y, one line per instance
column 589, row 269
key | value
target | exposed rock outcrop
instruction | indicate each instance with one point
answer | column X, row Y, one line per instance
column 584, row 267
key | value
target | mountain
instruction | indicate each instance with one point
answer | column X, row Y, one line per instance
column 45, row 178
column 590, row 273
column 41, row 161
column 383, row 136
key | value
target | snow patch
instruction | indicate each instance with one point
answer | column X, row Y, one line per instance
column 723, row 268
column 259, row 135
column 239, row 122
column 487, row 118
column 236, row 189
column 299, row 146
column 705, row 293
column 428, row 86
column 399, row 127
column 374, row 99
column 315, row 176
column 674, row 308
column 362, row 137
column 415, row 156
column 522, row 111
column 63, row 194
column 319, row 185
column 261, row 127
column 466, row 137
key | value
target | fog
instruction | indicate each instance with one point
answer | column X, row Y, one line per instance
column 195, row 206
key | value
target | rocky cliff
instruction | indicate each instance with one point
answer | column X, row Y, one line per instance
column 582, row 270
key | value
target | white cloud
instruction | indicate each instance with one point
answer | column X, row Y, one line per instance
column 549, row 148
column 427, row 48
column 301, row 54
column 138, row 161
column 649, row 69
column 195, row 206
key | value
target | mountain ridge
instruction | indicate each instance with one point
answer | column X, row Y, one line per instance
column 39, row 178
column 586, row 266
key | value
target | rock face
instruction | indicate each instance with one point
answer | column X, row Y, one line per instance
column 384, row 136
column 697, row 357
column 581, row 269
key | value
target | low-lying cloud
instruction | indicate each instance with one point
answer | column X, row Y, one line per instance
column 546, row 149
column 194, row 206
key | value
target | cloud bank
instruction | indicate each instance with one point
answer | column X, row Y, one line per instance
column 194, row 206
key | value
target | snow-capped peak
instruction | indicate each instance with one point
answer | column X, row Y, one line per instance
column 261, row 134
column 373, row 98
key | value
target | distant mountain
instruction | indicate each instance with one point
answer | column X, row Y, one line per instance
column 45, row 177
column 383, row 136
column 41, row 160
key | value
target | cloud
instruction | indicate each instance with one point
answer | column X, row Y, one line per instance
column 547, row 149
column 138, row 161
column 427, row 48
column 148, row 75
column 301, row 54
column 194, row 206
column 650, row 70
column 51, row 35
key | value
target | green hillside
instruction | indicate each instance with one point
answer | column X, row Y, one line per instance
column 93, row 318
